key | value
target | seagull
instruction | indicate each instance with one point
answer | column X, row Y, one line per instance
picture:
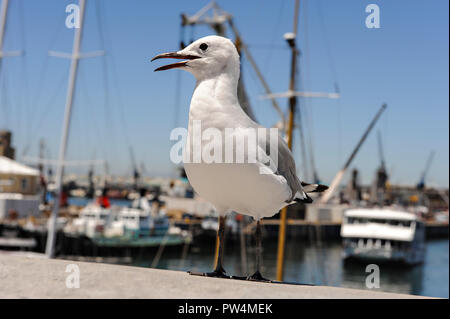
column 236, row 186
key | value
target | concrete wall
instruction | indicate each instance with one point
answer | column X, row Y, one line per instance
column 31, row 277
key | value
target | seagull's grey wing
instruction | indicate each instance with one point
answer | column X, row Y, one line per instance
column 286, row 168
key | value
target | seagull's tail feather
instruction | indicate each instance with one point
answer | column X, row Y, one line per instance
column 314, row 188
column 302, row 197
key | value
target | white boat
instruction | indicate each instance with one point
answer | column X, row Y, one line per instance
column 93, row 220
column 383, row 234
column 137, row 221
column 125, row 226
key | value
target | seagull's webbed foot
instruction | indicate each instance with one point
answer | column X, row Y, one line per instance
column 258, row 277
column 219, row 272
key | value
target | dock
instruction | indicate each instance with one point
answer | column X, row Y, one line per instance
column 34, row 276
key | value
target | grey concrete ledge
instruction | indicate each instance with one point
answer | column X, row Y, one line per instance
column 34, row 277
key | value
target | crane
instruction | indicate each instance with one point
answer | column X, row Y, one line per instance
column 340, row 174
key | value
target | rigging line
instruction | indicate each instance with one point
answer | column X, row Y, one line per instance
column 44, row 70
column 49, row 107
column 256, row 83
column 327, row 43
column 306, row 72
column 107, row 117
column 274, row 37
column 308, row 124
column 305, row 164
column 110, row 119
column 251, row 21
column 106, row 42
column 334, row 75
column 120, row 108
column 96, row 115
column 36, row 101
column 303, row 152
column 310, row 141
column 90, row 105
column 106, row 84
column 84, row 125
column 271, row 46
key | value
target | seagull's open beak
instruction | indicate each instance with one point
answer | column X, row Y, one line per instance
column 174, row 55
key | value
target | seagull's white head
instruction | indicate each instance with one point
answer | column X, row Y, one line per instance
column 205, row 58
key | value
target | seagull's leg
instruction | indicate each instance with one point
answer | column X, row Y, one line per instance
column 257, row 275
column 218, row 269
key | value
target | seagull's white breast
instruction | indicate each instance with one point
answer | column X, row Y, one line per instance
column 231, row 186
column 239, row 187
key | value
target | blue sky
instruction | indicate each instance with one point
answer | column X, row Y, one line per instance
column 404, row 63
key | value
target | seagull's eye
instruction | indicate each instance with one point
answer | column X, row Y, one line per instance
column 203, row 46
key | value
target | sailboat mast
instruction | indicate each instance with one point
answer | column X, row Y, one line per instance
column 3, row 13
column 50, row 247
column 290, row 38
column 292, row 82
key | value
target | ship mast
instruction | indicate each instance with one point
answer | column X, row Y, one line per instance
column 3, row 13
column 290, row 38
column 292, row 95
column 3, row 16
column 74, row 57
